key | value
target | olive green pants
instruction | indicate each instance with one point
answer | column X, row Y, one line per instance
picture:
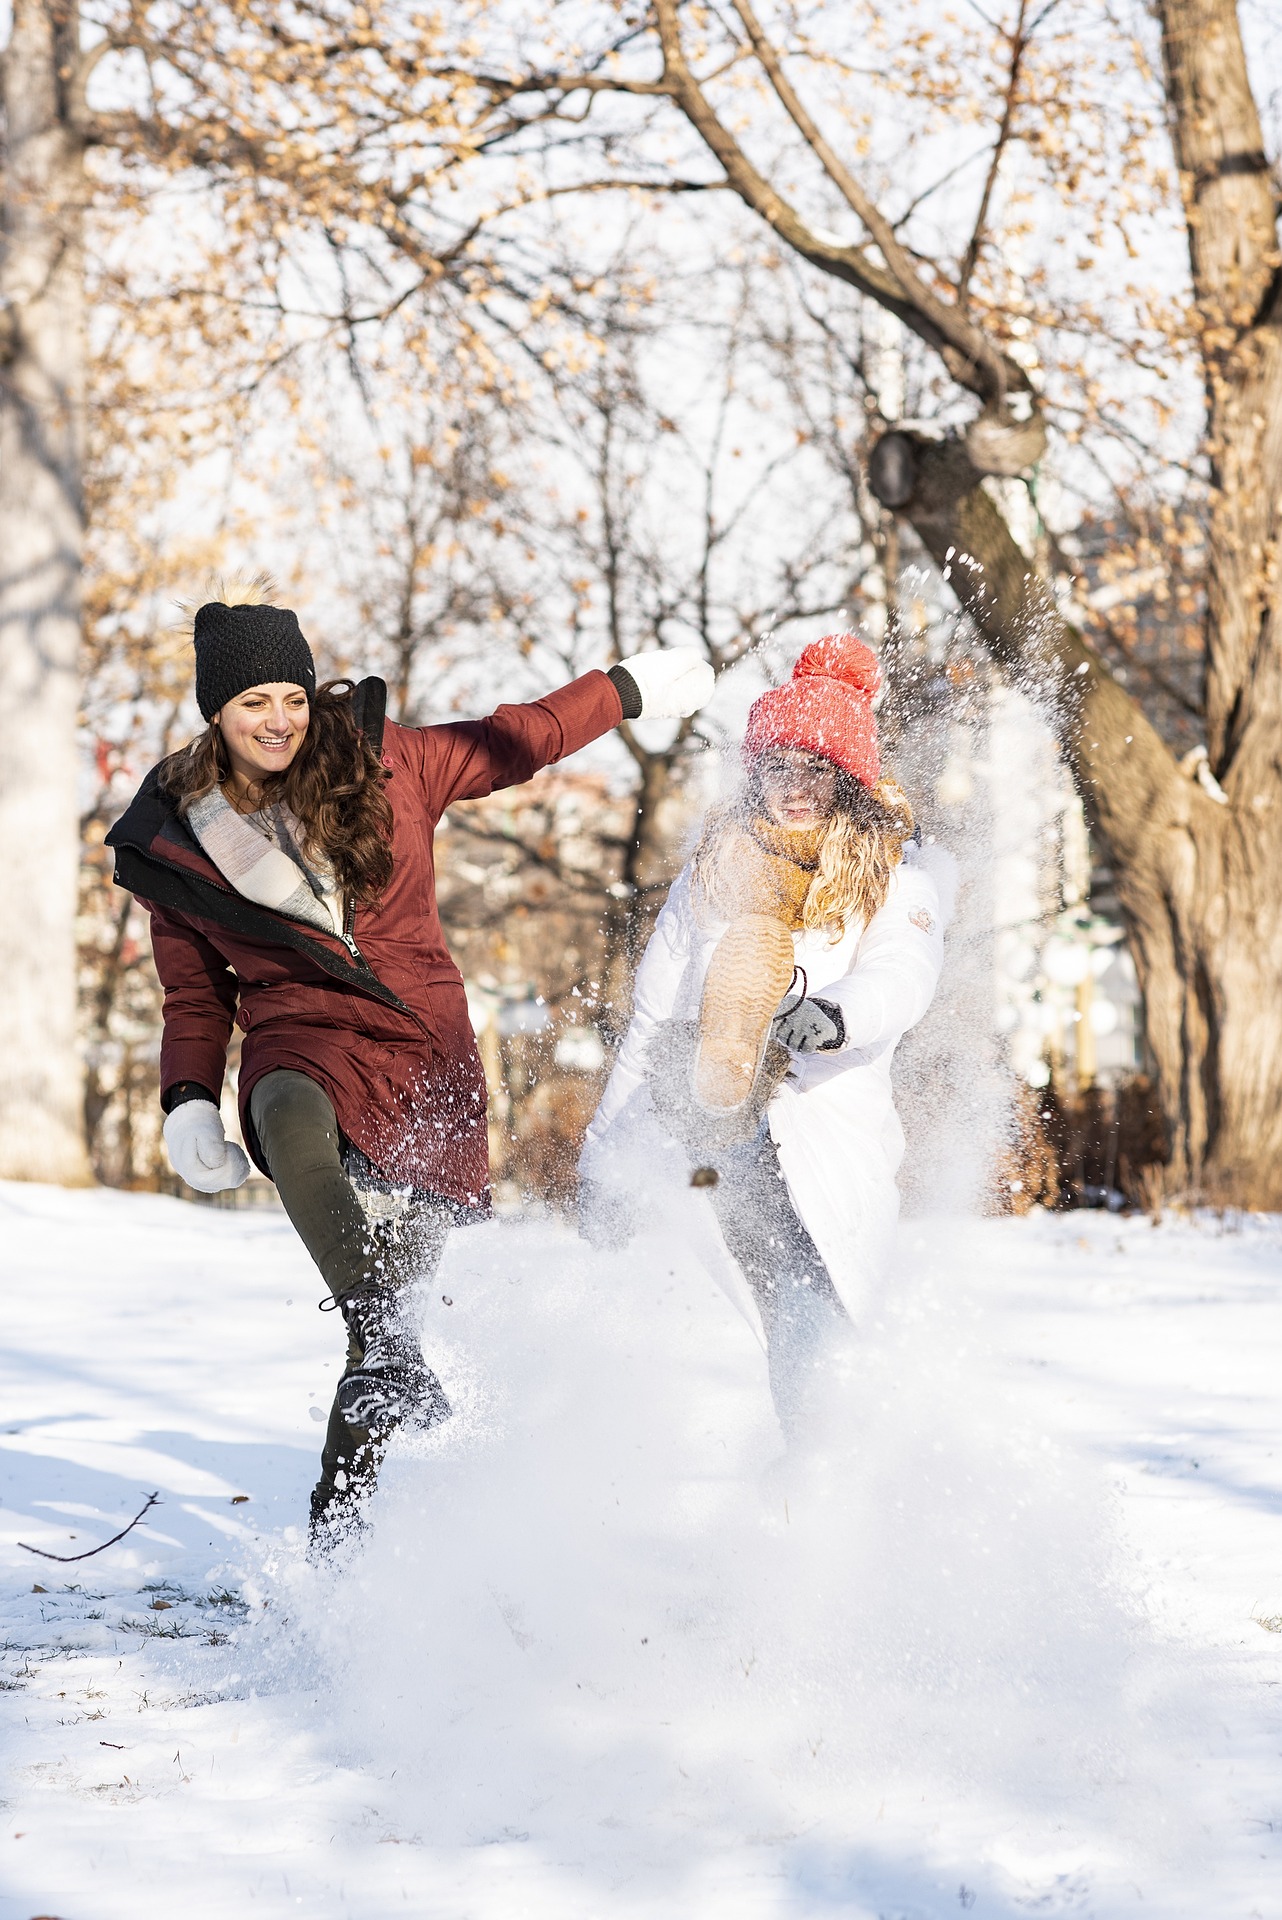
column 358, row 1235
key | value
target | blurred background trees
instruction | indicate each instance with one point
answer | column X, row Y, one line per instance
column 518, row 341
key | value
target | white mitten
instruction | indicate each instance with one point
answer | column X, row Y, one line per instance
column 670, row 683
column 200, row 1152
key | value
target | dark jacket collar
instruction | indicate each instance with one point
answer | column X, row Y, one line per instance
column 151, row 815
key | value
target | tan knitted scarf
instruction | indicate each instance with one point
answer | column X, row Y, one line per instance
column 753, row 866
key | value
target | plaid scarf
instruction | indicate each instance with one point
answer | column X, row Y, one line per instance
column 261, row 854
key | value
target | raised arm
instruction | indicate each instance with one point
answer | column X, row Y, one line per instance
column 464, row 759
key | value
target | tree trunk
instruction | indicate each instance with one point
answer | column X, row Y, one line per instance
column 1227, row 903
column 1199, row 881
column 41, row 438
column 1197, row 860
column 1231, row 218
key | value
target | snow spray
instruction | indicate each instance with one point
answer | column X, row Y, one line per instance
column 603, row 1616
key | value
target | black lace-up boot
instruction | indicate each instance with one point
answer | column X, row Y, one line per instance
column 390, row 1384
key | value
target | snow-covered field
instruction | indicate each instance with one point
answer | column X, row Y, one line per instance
column 1009, row 1644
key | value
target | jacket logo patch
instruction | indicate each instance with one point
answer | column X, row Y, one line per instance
column 920, row 917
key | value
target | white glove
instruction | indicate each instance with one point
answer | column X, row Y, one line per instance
column 672, row 681
column 810, row 1026
column 200, row 1152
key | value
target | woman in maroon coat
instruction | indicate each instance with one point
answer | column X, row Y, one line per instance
column 286, row 859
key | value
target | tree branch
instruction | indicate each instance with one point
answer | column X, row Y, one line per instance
column 1018, row 42
column 849, row 263
column 997, row 374
column 68, row 1559
column 81, row 74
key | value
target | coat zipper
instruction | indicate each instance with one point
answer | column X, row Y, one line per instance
column 346, row 937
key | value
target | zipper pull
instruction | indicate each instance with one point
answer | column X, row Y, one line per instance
column 346, row 937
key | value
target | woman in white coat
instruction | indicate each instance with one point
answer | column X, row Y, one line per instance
column 802, row 941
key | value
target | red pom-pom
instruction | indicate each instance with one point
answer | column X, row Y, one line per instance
column 840, row 656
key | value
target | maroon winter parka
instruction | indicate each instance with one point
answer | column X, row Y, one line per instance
column 384, row 1029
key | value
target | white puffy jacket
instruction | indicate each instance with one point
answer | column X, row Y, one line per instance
column 833, row 1119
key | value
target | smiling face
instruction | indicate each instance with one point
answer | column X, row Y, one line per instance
column 799, row 788
column 262, row 731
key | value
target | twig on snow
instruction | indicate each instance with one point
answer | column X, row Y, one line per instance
column 153, row 1500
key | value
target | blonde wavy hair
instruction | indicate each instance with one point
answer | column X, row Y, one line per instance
column 861, row 849
column 859, row 852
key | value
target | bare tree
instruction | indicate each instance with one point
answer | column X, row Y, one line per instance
column 344, row 148
column 41, row 440
column 334, row 153
column 679, row 546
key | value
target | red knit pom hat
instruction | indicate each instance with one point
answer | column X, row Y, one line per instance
column 825, row 708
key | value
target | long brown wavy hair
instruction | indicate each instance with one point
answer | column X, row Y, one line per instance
column 334, row 785
column 859, row 852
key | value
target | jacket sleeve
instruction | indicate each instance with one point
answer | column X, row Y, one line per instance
column 896, row 969
column 200, row 1002
column 467, row 758
column 654, row 995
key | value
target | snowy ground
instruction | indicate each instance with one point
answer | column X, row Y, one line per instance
column 1010, row 1645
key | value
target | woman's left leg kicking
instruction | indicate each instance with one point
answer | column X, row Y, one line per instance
column 368, row 1267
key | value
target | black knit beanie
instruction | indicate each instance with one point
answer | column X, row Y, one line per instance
column 240, row 647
